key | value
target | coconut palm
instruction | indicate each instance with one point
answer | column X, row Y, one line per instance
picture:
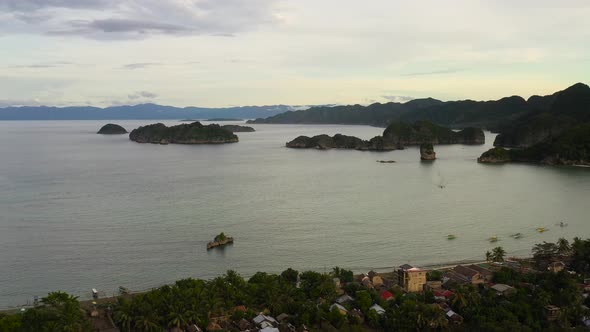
column 563, row 247
column 498, row 254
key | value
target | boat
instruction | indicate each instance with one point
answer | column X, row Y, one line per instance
column 493, row 239
column 451, row 237
column 541, row 229
column 516, row 235
column 562, row 224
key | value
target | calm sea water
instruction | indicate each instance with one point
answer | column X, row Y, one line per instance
column 80, row 210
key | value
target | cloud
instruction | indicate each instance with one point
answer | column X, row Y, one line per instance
column 110, row 19
column 435, row 72
column 142, row 94
column 141, row 65
column 398, row 99
column 44, row 65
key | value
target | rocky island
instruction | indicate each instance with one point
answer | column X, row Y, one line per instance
column 238, row 129
column 427, row 152
column 558, row 135
column 193, row 133
column 395, row 136
column 112, row 129
column 220, row 240
column 570, row 148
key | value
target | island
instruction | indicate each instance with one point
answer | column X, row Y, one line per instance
column 339, row 141
column 224, row 119
column 559, row 135
column 427, row 152
column 238, row 129
column 193, row 133
column 220, row 240
column 569, row 148
column 112, row 129
column 396, row 136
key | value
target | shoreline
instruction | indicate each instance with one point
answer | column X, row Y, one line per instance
column 86, row 300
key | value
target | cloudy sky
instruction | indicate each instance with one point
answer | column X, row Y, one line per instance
column 260, row 52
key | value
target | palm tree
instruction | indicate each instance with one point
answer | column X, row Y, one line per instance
column 459, row 300
column 145, row 323
column 498, row 254
column 488, row 256
column 176, row 319
column 563, row 247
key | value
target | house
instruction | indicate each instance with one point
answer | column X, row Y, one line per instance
column 456, row 278
column 486, row 274
column 193, row 328
column 375, row 278
column 442, row 295
column 263, row 321
column 551, row 312
column 556, row 267
column 366, row 281
column 282, row 317
column 411, row 279
column 433, row 285
column 244, row 325
column 344, row 299
column 269, row 329
column 451, row 316
column 469, row 274
column 502, row 289
column 339, row 307
column 386, row 295
column 377, row 308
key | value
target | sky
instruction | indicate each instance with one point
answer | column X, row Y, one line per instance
column 219, row 53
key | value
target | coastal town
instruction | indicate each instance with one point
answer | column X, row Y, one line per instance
column 548, row 290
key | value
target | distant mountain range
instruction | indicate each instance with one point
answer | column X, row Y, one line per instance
column 142, row 111
column 456, row 114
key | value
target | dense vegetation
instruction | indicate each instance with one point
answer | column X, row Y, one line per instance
column 456, row 114
column 306, row 297
column 193, row 133
column 112, row 129
column 396, row 136
column 238, row 129
column 567, row 109
column 402, row 134
column 572, row 147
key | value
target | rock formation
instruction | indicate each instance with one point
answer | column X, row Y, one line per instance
column 427, row 152
column 112, row 129
column 193, row 133
column 238, row 129
column 396, row 136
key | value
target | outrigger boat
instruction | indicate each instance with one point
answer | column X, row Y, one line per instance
column 493, row 239
column 451, row 237
column 541, row 229
column 516, row 235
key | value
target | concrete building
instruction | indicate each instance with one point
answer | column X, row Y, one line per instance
column 411, row 279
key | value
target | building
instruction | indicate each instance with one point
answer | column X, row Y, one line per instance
column 451, row 316
column 502, row 289
column 339, row 307
column 433, row 285
column 344, row 299
column 263, row 321
column 551, row 312
column 486, row 274
column 386, row 295
column 411, row 279
column 556, row 267
column 469, row 274
column 378, row 309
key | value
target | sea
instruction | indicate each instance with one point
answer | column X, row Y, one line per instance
column 80, row 210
